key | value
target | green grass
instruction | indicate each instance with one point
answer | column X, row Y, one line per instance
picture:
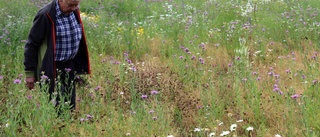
column 212, row 65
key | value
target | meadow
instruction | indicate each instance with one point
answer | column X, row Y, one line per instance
column 164, row 68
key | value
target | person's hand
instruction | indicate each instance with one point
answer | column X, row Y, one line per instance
column 30, row 82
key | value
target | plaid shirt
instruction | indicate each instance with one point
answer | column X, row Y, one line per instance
column 68, row 35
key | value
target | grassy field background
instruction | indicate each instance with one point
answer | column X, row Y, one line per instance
column 175, row 68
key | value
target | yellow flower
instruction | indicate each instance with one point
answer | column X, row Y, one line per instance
column 140, row 31
column 119, row 29
column 91, row 18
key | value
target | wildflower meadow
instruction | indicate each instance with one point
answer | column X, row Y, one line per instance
column 174, row 68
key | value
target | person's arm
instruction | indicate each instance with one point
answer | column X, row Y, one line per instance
column 35, row 39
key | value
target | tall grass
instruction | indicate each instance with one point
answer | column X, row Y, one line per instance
column 180, row 68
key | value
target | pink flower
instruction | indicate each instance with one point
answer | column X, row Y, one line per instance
column 67, row 70
column 295, row 96
column 315, row 81
column 154, row 92
column 97, row 88
column 89, row 116
column 17, row 81
column 82, row 119
column 44, row 77
column 258, row 78
column 144, row 96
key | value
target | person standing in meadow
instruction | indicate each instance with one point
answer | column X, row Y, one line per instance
column 56, row 50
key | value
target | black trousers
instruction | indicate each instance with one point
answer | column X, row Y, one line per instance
column 65, row 86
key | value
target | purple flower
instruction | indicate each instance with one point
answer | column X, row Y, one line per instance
column 295, row 96
column 1, row 77
column 181, row 57
column 292, row 53
column 134, row 69
column 258, row 78
column 201, row 60
column 29, row 97
column 276, row 89
column 128, row 61
column 238, row 58
column 125, row 54
column 230, row 64
column 254, row 73
column 270, row 73
column 193, row 57
column 17, row 81
column 151, row 111
column 186, row 50
column 116, row 62
column 44, row 77
column 89, row 116
column 303, row 76
column 67, row 70
column 82, row 119
column 315, row 81
column 202, row 45
column 144, row 96
column 288, row 70
column 154, row 92
column 97, row 88
column 315, row 53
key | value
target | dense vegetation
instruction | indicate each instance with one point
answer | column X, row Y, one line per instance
column 175, row 68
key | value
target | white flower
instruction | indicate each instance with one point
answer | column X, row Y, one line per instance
column 8, row 124
column 239, row 121
column 220, row 124
column 277, row 135
column 197, row 130
column 233, row 127
column 212, row 134
column 170, row 136
column 224, row 133
column 250, row 128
